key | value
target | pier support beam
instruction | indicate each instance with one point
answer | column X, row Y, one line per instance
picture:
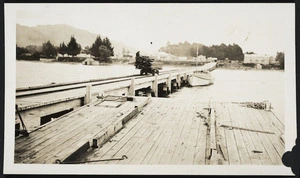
column 131, row 91
column 88, row 94
column 169, row 83
column 184, row 76
column 178, row 80
column 155, row 86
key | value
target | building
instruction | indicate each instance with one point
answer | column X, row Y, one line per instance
column 90, row 61
column 258, row 59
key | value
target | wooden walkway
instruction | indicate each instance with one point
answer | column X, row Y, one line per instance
column 176, row 131
column 72, row 134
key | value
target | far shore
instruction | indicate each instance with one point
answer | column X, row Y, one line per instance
column 165, row 63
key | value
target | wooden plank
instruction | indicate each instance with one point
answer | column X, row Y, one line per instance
column 130, row 139
column 47, row 136
column 275, row 139
column 167, row 133
column 275, row 126
column 63, row 141
column 109, row 128
column 70, row 136
column 119, row 139
column 176, row 151
column 244, row 122
column 274, row 155
column 233, row 153
column 190, row 148
column 257, row 141
column 158, row 139
column 177, row 133
column 242, row 149
column 136, row 153
column 222, row 152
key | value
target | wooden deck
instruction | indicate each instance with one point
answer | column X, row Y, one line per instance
column 176, row 131
column 183, row 129
column 70, row 135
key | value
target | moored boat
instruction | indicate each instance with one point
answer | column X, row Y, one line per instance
column 201, row 78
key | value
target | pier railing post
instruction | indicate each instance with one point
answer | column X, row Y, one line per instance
column 131, row 91
column 178, row 80
column 88, row 94
column 155, row 86
column 169, row 83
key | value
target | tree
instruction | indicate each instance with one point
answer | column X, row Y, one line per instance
column 106, row 42
column 95, row 47
column 63, row 49
column 73, row 47
column 86, row 50
column 20, row 51
column 104, row 53
column 280, row 59
column 49, row 50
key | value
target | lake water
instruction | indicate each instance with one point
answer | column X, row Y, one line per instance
column 230, row 85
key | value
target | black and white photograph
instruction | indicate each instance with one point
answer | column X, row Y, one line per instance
column 130, row 88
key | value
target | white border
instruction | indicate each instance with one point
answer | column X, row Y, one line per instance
column 10, row 85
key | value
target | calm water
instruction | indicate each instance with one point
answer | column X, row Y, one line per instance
column 230, row 85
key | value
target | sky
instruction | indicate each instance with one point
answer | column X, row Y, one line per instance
column 261, row 28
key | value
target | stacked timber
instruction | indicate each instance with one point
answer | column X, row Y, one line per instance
column 143, row 62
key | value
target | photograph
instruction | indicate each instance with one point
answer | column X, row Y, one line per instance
column 147, row 88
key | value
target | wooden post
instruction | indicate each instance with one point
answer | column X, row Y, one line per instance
column 88, row 94
column 155, row 86
column 178, row 80
column 184, row 76
column 169, row 83
column 131, row 91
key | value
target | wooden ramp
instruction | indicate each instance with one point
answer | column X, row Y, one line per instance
column 71, row 135
column 176, row 131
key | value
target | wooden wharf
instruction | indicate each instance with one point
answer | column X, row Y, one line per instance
column 180, row 132
column 72, row 134
column 37, row 105
column 185, row 129
column 168, row 131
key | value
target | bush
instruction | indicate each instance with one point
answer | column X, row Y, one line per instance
column 103, row 60
column 249, row 64
column 33, row 57
column 71, row 59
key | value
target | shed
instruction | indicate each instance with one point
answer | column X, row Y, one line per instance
column 90, row 61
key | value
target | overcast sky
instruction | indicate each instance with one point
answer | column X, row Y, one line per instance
column 261, row 28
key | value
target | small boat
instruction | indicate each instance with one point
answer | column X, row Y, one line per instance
column 201, row 78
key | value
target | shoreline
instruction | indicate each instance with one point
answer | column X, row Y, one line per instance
column 244, row 68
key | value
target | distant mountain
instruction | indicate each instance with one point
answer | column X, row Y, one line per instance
column 37, row 35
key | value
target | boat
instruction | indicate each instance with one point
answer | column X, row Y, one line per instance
column 201, row 78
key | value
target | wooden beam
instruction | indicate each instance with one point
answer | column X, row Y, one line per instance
column 178, row 80
column 169, row 82
column 131, row 91
column 155, row 86
column 242, row 128
column 88, row 94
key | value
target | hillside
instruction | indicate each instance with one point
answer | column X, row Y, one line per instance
column 57, row 34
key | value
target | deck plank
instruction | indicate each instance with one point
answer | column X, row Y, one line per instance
column 256, row 138
column 244, row 122
column 167, row 135
column 177, row 133
column 233, row 153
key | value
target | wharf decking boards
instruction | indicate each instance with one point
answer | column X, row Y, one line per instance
column 170, row 131
column 62, row 137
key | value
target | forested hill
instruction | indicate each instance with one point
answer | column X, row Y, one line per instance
column 56, row 34
column 232, row 52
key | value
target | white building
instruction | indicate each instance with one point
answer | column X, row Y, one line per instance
column 258, row 59
column 90, row 61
